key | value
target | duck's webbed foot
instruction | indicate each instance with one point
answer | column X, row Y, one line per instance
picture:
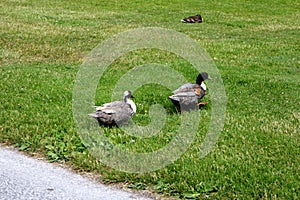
column 201, row 104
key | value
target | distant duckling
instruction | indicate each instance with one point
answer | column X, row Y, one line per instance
column 187, row 96
column 117, row 112
column 193, row 19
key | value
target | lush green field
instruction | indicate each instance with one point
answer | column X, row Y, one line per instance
column 255, row 45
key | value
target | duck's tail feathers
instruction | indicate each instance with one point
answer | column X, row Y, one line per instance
column 93, row 115
column 109, row 111
column 99, row 108
column 173, row 98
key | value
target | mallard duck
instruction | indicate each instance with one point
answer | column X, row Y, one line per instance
column 193, row 19
column 116, row 112
column 188, row 95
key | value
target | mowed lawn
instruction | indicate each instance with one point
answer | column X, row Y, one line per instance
column 254, row 44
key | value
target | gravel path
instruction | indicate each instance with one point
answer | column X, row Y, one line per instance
column 22, row 177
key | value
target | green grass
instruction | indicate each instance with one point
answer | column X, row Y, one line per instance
column 255, row 45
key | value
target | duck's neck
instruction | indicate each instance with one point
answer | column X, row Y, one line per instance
column 199, row 80
column 203, row 86
column 131, row 103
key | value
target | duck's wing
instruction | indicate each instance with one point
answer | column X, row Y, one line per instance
column 109, row 106
column 192, row 19
column 113, row 113
column 188, row 87
column 184, row 88
column 103, row 118
column 189, row 19
column 112, row 104
column 185, row 101
column 183, row 95
column 112, row 107
column 103, row 112
column 199, row 91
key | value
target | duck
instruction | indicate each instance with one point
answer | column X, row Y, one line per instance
column 193, row 19
column 187, row 96
column 115, row 113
